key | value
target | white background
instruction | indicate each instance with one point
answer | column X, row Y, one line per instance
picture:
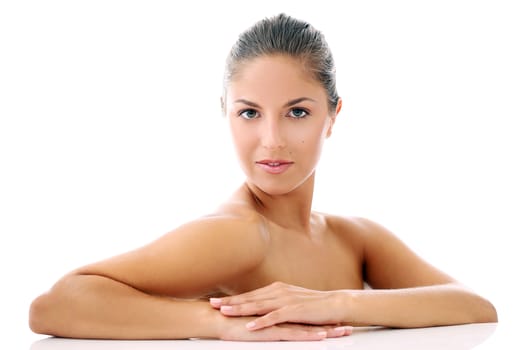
column 111, row 132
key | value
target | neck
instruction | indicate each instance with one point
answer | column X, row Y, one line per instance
column 291, row 210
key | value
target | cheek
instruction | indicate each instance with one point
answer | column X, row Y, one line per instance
column 311, row 144
column 310, row 138
column 242, row 140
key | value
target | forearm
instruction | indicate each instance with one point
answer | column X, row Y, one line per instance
column 86, row 306
column 416, row 307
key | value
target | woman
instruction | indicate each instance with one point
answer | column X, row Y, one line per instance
column 264, row 266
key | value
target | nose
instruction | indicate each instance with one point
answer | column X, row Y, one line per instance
column 271, row 134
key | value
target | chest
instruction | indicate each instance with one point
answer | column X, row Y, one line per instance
column 325, row 264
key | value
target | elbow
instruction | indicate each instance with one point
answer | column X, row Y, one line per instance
column 490, row 313
column 483, row 311
column 50, row 313
column 39, row 315
column 477, row 309
column 473, row 308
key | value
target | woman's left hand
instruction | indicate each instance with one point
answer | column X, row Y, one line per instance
column 281, row 303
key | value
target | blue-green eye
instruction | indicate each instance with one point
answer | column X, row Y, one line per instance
column 249, row 114
column 297, row 113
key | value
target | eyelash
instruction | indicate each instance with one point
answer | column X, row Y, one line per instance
column 242, row 112
column 305, row 113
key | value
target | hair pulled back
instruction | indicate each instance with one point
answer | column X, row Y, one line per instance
column 285, row 35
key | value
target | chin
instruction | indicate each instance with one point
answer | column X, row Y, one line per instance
column 275, row 187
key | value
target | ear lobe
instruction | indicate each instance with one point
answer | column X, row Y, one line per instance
column 329, row 129
column 333, row 117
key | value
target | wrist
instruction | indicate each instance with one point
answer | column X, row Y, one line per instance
column 211, row 322
column 347, row 302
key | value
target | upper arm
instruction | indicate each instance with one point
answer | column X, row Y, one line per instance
column 389, row 263
column 191, row 260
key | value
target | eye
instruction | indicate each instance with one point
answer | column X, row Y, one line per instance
column 297, row 113
column 249, row 114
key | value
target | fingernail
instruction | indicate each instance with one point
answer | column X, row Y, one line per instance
column 226, row 308
column 322, row 334
column 250, row 325
column 215, row 301
column 343, row 329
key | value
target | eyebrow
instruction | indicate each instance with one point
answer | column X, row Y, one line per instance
column 287, row 104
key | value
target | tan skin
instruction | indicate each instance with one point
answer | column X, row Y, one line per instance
column 274, row 269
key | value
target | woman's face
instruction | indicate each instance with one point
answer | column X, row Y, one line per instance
column 279, row 118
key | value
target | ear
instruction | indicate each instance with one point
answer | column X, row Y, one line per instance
column 333, row 117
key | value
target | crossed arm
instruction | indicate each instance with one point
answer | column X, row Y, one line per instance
column 427, row 306
column 131, row 296
column 407, row 293
column 152, row 293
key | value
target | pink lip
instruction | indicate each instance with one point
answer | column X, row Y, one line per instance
column 274, row 166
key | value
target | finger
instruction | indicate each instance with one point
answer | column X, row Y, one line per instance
column 315, row 332
column 268, row 292
column 238, row 300
column 291, row 334
column 281, row 332
column 254, row 295
column 268, row 320
column 298, row 335
column 295, row 314
column 302, row 333
column 215, row 302
column 336, row 332
column 260, row 307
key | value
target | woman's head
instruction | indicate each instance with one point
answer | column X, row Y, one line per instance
column 287, row 36
column 281, row 102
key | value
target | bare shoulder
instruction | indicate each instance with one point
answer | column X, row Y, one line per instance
column 357, row 228
column 370, row 235
column 386, row 258
column 235, row 228
column 194, row 259
column 352, row 232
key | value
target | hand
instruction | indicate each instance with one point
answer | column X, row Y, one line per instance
column 234, row 328
column 282, row 303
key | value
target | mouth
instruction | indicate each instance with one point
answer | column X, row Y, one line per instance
column 274, row 166
column 271, row 162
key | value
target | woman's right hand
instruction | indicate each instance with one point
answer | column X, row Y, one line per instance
column 234, row 328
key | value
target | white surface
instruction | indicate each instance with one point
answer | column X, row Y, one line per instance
column 450, row 338
column 111, row 132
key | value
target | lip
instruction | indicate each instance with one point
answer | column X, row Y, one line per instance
column 274, row 166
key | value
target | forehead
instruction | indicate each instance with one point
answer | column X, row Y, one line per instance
column 275, row 76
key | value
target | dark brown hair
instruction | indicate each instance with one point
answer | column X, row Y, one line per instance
column 285, row 35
